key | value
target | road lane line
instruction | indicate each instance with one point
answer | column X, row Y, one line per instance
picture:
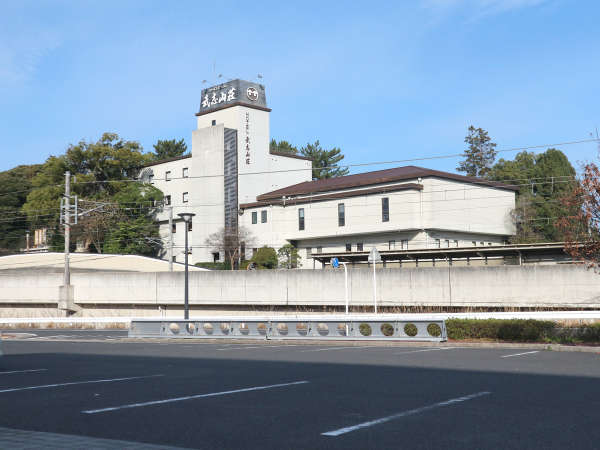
column 76, row 382
column 410, row 412
column 519, row 354
column 425, row 350
column 22, row 371
column 190, row 397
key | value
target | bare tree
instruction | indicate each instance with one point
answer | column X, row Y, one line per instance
column 581, row 226
column 232, row 241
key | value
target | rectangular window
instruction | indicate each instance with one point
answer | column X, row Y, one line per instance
column 151, row 178
column 254, row 217
column 437, row 243
column 489, row 243
column 167, row 200
column 301, row 218
column 263, row 216
column 447, row 243
column 184, row 197
column 456, row 243
column 404, row 244
column 392, row 245
column 167, row 175
column 474, row 243
column 190, row 225
column 341, row 215
column 359, row 247
column 482, row 243
column 174, row 228
column 385, row 209
column 184, row 172
column 348, row 247
column 308, row 252
column 215, row 257
column 213, row 123
column 319, row 249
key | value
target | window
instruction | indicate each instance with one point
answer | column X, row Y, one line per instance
column 385, row 209
column 308, row 252
column 174, row 228
column 482, row 243
column 263, row 216
column 437, row 243
column 359, row 247
column 474, row 243
column 150, row 178
column 254, row 217
column 215, row 256
column 185, row 172
column 447, row 243
column 319, row 249
column 348, row 247
column 455, row 243
column 190, row 225
column 341, row 215
column 213, row 123
column 174, row 258
column 489, row 243
column 167, row 175
column 301, row 218
column 392, row 245
column 404, row 244
column 184, row 197
column 167, row 200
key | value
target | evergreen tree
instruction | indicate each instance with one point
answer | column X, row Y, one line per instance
column 324, row 162
column 282, row 147
column 169, row 149
column 480, row 155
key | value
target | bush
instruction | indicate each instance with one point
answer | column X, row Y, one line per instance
column 214, row 265
column 410, row 329
column 387, row 329
column 504, row 330
column 365, row 329
column 434, row 330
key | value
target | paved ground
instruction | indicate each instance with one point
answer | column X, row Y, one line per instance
column 278, row 396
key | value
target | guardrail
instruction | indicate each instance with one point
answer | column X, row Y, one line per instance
column 323, row 328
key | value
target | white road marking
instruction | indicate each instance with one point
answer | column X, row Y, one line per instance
column 259, row 346
column 333, row 348
column 410, row 412
column 425, row 350
column 23, row 371
column 519, row 354
column 76, row 382
column 190, row 397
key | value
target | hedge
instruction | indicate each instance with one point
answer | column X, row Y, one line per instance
column 504, row 330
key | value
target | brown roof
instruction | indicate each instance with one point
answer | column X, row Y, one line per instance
column 175, row 158
column 375, row 177
column 335, row 195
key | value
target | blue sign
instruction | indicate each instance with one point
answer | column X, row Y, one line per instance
column 335, row 263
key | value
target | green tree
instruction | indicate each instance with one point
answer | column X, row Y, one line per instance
column 169, row 149
column 14, row 187
column 282, row 147
column 324, row 162
column 265, row 258
column 138, row 236
column 289, row 257
column 543, row 180
column 480, row 155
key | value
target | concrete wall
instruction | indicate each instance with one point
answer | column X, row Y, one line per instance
column 151, row 293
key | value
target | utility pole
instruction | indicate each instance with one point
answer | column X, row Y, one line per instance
column 67, row 219
column 170, row 239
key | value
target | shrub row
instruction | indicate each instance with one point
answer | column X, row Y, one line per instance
column 498, row 329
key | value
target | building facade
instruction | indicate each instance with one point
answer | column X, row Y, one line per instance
column 231, row 179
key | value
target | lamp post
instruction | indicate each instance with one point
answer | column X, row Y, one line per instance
column 187, row 219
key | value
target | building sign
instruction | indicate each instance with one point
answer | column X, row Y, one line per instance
column 247, row 136
column 233, row 92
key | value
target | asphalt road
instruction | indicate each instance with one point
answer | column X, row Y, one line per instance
column 277, row 396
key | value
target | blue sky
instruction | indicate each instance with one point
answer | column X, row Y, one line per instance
column 381, row 80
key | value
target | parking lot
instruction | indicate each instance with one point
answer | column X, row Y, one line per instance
column 206, row 394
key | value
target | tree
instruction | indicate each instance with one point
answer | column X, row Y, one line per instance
column 103, row 178
column 480, row 155
column 324, row 162
column 282, row 147
column 265, row 258
column 139, row 236
column 543, row 180
column 169, row 149
column 231, row 241
column 289, row 257
column 581, row 227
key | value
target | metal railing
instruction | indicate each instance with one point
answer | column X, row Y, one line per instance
column 352, row 327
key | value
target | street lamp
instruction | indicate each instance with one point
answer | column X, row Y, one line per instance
column 187, row 219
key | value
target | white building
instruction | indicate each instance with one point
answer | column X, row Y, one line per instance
column 230, row 178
